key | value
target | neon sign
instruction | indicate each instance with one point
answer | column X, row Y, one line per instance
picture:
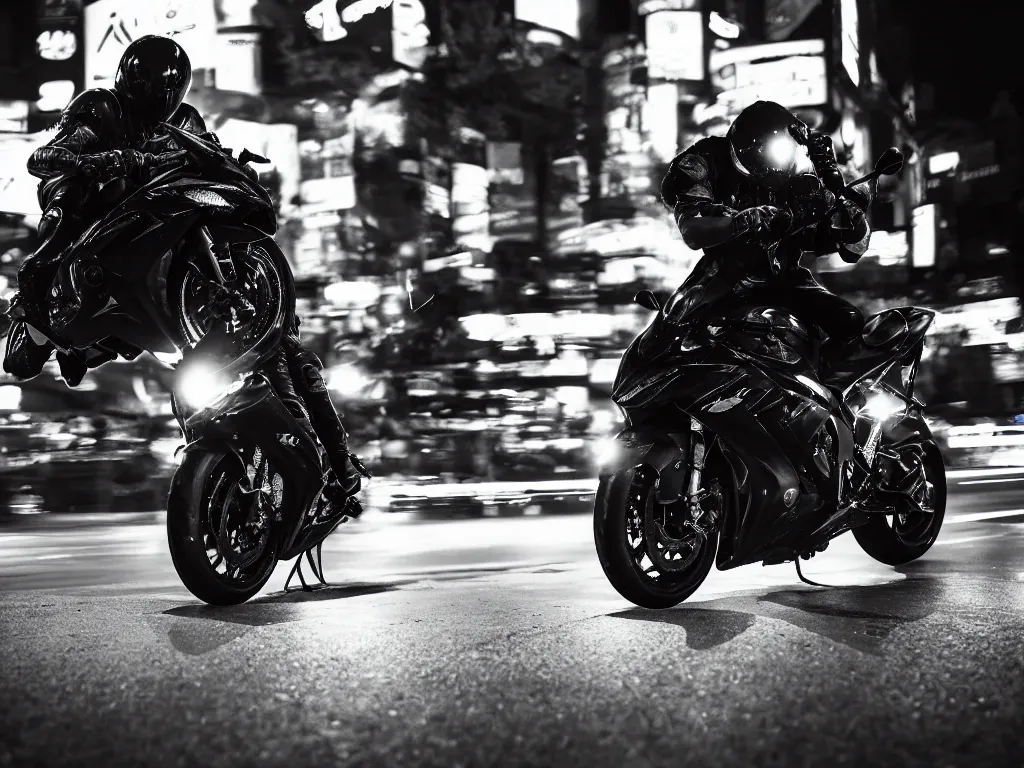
column 324, row 16
column 56, row 46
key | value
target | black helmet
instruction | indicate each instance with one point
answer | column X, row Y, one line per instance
column 763, row 148
column 155, row 74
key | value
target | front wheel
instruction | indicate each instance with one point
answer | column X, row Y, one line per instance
column 909, row 533
column 649, row 558
column 220, row 537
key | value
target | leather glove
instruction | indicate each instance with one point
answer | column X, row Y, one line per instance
column 118, row 163
column 812, row 206
column 850, row 223
column 760, row 221
column 823, row 155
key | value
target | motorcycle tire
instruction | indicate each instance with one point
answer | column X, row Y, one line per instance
column 610, row 528
column 195, row 490
column 881, row 537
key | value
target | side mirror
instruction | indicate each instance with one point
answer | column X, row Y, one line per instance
column 647, row 300
column 890, row 163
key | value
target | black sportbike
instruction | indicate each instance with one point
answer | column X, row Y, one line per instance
column 185, row 267
column 743, row 444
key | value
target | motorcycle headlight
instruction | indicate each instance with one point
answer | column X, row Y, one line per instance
column 200, row 386
column 882, row 405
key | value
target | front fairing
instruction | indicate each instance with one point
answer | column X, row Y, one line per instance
column 764, row 338
column 253, row 418
column 212, row 185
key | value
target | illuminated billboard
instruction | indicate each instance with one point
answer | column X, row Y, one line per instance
column 562, row 16
column 644, row 7
column 59, row 64
column 17, row 187
column 849, row 30
column 675, row 45
column 793, row 74
column 925, row 228
column 111, row 26
column 399, row 29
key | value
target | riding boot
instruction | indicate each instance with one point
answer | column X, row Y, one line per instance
column 28, row 352
column 25, row 357
column 309, row 383
column 329, row 429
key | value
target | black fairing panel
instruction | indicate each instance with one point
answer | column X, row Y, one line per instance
column 763, row 472
column 657, row 448
column 911, row 428
column 845, row 365
column 752, row 384
column 127, row 249
column 255, row 416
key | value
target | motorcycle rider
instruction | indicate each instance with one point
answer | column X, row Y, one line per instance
column 769, row 178
column 115, row 133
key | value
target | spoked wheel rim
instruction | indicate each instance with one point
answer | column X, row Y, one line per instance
column 236, row 520
column 912, row 527
column 259, row 282
column 661, row 550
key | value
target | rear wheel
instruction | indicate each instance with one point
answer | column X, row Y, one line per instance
column 905, row 536
column 220, row 537
column 650, row 559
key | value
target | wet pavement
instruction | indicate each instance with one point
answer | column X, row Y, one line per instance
column 497, row 642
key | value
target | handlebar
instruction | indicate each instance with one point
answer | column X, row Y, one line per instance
column 166, row 160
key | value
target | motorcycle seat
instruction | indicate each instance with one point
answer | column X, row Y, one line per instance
column 884, row 329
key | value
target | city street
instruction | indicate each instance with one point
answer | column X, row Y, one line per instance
column 497, row 642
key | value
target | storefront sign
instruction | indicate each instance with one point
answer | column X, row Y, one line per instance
column 793, row 74
column 978, row 177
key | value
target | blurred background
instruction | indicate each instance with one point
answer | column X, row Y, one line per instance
column 467, row 192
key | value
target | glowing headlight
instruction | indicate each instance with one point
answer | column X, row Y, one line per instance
column 781, row 151
column 201, row 386
column 882, row 405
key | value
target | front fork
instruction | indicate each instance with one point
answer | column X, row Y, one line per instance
column 691, row 467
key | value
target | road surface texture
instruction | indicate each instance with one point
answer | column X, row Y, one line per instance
column 497, row 642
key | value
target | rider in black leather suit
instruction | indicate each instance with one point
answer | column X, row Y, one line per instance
column 768, row 177
column 115, row 130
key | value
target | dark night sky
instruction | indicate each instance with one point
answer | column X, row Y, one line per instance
column 966, row 49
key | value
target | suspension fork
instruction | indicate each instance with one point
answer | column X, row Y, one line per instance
column 221, row 257
column 698, row 452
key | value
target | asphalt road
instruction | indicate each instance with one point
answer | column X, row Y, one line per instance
column 497, row 642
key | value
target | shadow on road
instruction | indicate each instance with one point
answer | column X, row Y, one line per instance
column 862, row 618
column 277, row 607
column 705, row 629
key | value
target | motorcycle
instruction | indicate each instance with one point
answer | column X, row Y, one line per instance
column 738, row 448
column 218, row 295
